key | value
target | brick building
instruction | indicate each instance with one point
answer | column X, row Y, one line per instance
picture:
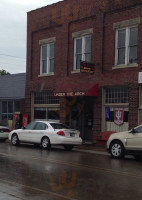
column 106, row 33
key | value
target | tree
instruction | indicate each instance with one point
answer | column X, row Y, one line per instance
column 3, row 72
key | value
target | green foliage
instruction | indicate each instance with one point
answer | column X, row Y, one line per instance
column 3, row 72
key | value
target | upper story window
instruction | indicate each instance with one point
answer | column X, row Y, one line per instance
column 82, row 50
column 47, row 56
column 82, row 47
column 126, row 45
column 47, row 59
column 126, row 42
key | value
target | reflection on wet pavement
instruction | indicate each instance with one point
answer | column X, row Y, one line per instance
column 32, row 173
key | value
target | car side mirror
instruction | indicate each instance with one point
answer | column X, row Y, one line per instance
column 133, row 131
column 23, row 128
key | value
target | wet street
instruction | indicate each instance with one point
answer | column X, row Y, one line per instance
column 31, row 173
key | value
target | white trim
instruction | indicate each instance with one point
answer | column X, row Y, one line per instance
column 82, row 33
column 47, row 41
column 82, row 50
column 48, row 60
column 127, row 47
column 126, row 23
column 125, row 66
column 42, row 75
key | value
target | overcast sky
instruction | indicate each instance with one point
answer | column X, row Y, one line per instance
column 13, row 24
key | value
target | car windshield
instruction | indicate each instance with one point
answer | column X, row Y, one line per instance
column 59, row 126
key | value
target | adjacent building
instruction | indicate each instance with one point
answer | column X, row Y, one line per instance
column 83, row 63
column 12, row 97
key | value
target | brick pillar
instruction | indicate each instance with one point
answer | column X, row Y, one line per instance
column 62, row 109
column 133, row 105
column 97, row 115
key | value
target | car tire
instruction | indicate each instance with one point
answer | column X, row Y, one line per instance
column 117, row 149
column 45, row 143
column 15, row 140
column 68, row 147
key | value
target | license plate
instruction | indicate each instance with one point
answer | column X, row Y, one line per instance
column 72, row 134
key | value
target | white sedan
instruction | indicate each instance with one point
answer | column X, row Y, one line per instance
column 46, row 133
column 4, row 132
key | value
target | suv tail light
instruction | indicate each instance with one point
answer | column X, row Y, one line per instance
column 79, row 134
column 61, row 133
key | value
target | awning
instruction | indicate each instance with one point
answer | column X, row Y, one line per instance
column 76, row 90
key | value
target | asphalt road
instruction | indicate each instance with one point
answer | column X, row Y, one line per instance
column 31, row 173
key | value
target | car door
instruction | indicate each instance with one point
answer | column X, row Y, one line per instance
column 37, row 132
column 134, row 139
column 25, row 134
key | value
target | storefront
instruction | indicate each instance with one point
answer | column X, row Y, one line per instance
column 115, row 109
column 44, row 106
column 79, row 107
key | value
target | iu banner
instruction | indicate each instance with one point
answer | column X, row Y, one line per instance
column 119, row 116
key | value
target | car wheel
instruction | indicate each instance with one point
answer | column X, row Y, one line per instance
column 68, row 147
column 117, row 149
column 14, row 139
column 45, row 143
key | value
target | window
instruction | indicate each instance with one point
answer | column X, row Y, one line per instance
column 82, row 50
column 116, row 95
column 126, row 45
column 31, row 126
column 47, row 59
column 40, row 126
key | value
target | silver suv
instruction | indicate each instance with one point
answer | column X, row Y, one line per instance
column 127, row 142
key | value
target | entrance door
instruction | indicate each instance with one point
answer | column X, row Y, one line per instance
column 80, row 115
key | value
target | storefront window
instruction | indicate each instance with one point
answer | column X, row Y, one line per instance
column 10, row 106
column 47, row 114
column 116, row 95
column 116, row 107
column 16, row 106
column 4, row 106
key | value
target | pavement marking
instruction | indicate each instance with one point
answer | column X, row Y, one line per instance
column 39, row 190
column 103, row 170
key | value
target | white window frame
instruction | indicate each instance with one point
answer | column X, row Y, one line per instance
column 83, row 52
column 127, row 47
column 48, row 59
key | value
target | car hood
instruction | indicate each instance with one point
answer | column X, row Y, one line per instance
column 119, row 135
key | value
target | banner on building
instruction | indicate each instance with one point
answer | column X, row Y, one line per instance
column 119, row 116
column 107, row 112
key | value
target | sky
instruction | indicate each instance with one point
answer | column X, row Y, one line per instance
column 13, row 32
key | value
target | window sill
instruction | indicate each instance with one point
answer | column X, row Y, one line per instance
column 75, row 71
column 43, row 75
column 125, row 66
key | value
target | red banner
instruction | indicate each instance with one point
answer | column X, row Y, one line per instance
column 119, row 116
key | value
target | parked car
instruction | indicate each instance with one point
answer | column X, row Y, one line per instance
column 46, row 133
column 4, row 132
column 127, row 142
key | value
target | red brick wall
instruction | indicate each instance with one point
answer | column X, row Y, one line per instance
column 60, row 20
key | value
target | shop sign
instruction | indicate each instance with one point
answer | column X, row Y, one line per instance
column 68, row 94
column 87, row 67
column 119, row 116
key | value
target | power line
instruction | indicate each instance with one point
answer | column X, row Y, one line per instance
column 12, row 56
column 12, row 64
